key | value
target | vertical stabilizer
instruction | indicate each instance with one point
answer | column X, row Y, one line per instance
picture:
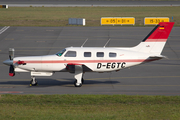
column 154, row 42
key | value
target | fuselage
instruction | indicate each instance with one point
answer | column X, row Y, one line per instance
column 94, row 58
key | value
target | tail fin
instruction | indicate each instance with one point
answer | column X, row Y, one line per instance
column 154, row 42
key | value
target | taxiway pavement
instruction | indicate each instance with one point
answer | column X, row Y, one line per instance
column 156, row 78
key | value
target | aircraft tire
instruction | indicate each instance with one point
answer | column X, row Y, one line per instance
column 33, row 84
column 75, row 84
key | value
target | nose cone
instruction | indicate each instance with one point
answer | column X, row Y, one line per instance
column 8, row 62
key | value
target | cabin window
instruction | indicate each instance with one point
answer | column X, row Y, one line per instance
column 87, row 54
column 111, row 54
column 60, row 53
column 100, row 54
column 70, row 54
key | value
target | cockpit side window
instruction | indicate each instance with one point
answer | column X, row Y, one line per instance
column 70, row 54
column 60, row 53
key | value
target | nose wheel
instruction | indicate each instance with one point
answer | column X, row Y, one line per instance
column 33, row 82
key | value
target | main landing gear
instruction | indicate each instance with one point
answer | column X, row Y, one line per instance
column 78, row 76
column 76, row 84
column 33, row 82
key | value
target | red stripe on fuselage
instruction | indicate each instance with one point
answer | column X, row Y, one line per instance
column 89, row 61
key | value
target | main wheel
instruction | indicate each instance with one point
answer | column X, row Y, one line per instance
column 33, row 82
column 77, row 84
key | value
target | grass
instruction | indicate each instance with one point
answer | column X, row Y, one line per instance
column 98, row 107
column 58, row 16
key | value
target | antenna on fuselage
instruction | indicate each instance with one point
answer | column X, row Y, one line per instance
column 84, row 42
column 107, row 42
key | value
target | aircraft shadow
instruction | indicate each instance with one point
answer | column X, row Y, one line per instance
column 53, row 82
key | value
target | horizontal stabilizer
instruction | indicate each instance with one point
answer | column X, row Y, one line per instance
column 158, row 57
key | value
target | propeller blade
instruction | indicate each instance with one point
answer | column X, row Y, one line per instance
column 11, row 53
column 11, row 71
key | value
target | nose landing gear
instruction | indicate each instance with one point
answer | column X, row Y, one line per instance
column 33, row 82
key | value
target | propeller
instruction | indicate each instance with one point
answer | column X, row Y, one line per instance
column 11, row 53
column 11, row 57
column 11, row 71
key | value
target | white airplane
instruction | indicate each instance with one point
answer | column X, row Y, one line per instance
column 79, row 60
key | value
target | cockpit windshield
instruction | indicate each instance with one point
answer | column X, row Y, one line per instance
column 60, row 53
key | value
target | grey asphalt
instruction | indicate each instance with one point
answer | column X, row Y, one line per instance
column 156, row 78
column 85, row 3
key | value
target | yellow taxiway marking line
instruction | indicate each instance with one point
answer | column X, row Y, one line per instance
column 149, row 85
column 102, row 84
column 130, row 85
column 134, row 77
column 9, row 39
column 130, row 68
